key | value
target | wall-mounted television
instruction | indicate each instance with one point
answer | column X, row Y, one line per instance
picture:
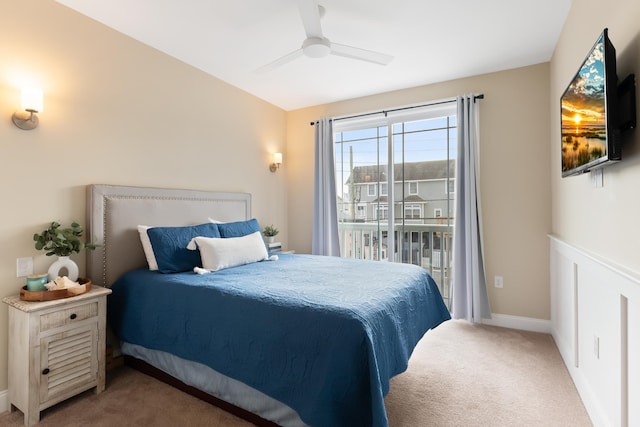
column 590, row 128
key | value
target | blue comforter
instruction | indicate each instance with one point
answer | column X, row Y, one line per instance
column 323, row 335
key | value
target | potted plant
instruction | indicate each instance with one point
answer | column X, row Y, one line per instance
column 62, row 242
column 270, row 232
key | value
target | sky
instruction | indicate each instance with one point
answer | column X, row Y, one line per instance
column 421, row 140
column 583, row 102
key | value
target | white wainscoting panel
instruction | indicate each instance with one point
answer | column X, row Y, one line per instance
column 633, row 358
column 4, row 401
column 595, row 317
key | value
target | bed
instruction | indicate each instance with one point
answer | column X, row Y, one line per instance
column 291, row 340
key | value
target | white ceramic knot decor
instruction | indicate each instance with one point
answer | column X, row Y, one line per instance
column 64, row 262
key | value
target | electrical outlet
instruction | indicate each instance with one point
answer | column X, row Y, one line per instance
column 24, row 266
column 498, row 282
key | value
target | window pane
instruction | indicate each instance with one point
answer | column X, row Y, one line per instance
column 413, row 187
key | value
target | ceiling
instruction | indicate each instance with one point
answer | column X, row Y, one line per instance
column 431, row 41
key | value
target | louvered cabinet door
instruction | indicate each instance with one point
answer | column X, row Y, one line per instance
column 69, row 362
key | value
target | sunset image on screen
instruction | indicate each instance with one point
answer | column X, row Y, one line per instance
column 583, row 113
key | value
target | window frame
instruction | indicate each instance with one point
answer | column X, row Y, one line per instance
column 413, row 207
column 450, row 186
column 381, row 207
column 387, row 119
column 411, row 193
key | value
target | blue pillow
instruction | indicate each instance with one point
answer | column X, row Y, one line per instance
column 239, row 229
column 170, row 246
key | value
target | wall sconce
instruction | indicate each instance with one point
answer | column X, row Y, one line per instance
column 277, row 161
column 31, row 104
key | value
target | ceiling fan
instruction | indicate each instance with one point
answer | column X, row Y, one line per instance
column 318, row 46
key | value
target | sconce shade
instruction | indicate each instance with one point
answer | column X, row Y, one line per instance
column 31, row 104
column 32, row 100
column 277, row 161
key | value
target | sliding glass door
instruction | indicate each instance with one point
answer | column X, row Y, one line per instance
column 395, row 179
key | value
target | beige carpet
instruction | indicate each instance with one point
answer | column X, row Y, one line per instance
column 466, row 375
column 459, row 375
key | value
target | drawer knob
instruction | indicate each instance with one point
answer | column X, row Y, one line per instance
column 45, row 371
column 73, row 316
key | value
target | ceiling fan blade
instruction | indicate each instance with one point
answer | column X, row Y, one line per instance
column 310, row 15
column 361, row 54
column 280, row 61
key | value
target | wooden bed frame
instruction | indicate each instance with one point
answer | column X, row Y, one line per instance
column 113, row 214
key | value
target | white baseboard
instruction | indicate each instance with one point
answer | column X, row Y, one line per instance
column 518, row 322
column 4, row 401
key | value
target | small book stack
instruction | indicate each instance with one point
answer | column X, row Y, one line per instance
column 274, row 246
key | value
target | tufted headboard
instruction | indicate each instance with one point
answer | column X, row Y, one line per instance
column 114, row 213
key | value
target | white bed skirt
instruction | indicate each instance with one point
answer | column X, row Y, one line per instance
column 216, row 384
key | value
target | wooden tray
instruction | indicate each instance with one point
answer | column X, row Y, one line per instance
column 27, row 295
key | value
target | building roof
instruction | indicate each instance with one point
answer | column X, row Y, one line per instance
column 414, row 198
column 416, row 171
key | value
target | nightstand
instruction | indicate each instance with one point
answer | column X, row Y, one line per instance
column 56, row 350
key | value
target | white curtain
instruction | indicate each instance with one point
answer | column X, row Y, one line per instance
column 325, row 213
column 469, row 299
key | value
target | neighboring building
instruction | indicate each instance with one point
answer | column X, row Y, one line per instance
column 423, row 193
column 423, row 216
column 402, row 211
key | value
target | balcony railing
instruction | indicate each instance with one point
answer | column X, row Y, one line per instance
column 425, row 245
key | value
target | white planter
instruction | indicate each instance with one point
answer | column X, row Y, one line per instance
column 271, row 239
column 61, row 263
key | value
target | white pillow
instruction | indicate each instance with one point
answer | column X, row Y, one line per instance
column 218, row 253
column 148, row 249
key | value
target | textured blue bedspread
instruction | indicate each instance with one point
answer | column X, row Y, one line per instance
column 323, row 335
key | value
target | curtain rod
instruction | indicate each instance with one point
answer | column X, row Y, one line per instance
column 480, row 96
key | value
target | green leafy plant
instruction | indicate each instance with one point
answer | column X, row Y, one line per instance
column 61, row 241
column 270, row 231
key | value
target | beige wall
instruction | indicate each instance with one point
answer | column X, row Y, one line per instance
column 602, row 220
column 116, row 112
column 514, row 155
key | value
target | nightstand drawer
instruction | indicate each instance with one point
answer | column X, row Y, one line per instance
column 67, row 316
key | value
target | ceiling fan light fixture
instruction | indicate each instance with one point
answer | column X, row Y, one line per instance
column 316, row 47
